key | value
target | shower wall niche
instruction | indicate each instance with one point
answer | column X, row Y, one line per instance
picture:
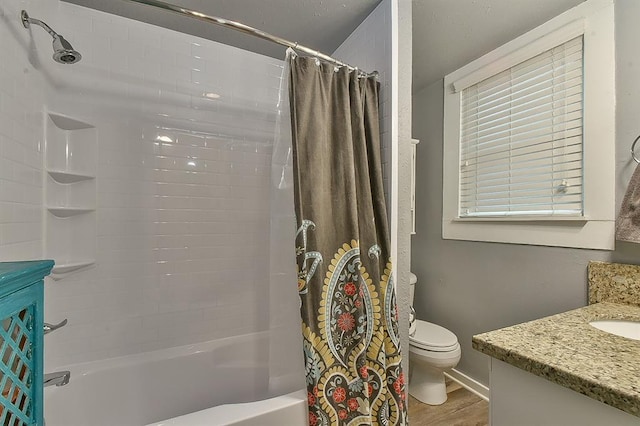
column 69, row 193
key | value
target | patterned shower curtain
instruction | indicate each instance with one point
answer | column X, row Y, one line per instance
column 345, row 278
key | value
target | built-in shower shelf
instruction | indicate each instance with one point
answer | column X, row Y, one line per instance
column 70, row 193
column 65, row 177
column 64, row 122
column 69, row 211
column 62, row 269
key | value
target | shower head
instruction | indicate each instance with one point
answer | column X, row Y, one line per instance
column 63, row 52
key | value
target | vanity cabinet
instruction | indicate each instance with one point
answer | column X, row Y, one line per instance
column 21, row 341
column 561, row 370
column 523, row 399
column 565, row 370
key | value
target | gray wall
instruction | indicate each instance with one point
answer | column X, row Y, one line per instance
column 472, row 287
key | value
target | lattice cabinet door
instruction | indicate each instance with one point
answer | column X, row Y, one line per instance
column 21, row 342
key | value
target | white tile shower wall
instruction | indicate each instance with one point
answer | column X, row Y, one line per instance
column 22, row 85
column 185, row 128
column 369, row 48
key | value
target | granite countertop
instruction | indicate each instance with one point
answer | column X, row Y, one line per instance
column 566, row 350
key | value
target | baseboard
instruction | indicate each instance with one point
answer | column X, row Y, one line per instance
column 472, row 385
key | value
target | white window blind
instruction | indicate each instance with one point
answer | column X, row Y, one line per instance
column 521, row 145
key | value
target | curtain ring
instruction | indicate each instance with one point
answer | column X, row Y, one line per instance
column 633, row 148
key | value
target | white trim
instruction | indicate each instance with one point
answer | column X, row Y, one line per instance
column 414, row 146
column 592, row 234
column 395, row 142
column 596, row 18
column 517, row 54
column 571, row 22
column 468, row 383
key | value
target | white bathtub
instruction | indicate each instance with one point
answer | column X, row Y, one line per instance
column 286, row 410
column 211, row 383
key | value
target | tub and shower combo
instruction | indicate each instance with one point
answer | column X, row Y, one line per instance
column 176, row 386
column 170, row 217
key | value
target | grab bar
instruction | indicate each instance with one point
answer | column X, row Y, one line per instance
column 48, row 328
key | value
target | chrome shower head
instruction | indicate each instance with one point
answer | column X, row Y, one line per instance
column 63, row 52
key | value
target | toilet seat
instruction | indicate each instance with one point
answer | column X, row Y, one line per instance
column 432, row 337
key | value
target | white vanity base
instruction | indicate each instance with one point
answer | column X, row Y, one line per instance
column 523, row 399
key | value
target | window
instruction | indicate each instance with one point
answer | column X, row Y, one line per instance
column 521, row 138
column 529, row 139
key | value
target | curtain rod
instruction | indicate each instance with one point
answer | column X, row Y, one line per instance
column 239, row 26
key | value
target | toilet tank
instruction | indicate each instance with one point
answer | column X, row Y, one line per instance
column 412, row 286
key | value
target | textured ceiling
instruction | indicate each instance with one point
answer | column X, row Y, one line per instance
column 448, row 34
column 319, row 24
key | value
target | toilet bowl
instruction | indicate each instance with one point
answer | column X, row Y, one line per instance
column 432, row 350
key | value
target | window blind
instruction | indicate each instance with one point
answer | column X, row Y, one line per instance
column 521, row 138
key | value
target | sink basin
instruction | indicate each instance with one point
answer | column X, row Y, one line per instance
column 628, row 329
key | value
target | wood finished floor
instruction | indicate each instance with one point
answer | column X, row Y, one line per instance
column 462, row 408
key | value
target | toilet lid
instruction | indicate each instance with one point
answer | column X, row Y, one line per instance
column 433, row 337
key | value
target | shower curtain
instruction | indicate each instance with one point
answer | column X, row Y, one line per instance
column 345, row 278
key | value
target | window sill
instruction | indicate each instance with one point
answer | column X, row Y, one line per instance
column 567, row 220
column 581, row 233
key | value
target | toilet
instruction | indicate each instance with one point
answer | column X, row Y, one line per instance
column 432, row 350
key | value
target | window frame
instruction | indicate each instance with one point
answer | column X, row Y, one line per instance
column 594, row 20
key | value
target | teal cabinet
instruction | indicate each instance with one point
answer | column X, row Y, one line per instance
column 21, row 341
